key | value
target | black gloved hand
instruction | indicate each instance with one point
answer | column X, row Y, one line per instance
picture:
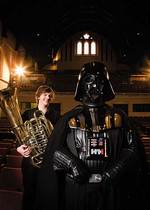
column 79, row 172
column 74, row 167
column 112, row 175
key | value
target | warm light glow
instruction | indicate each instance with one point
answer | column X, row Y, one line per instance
column 19, row 70
column 5, row 71
column 17, row 75
column 56, row 58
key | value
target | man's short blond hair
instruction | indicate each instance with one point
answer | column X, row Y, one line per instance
column 44, row 89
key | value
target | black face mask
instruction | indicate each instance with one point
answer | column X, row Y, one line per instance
column 93, row 86
column 93, row 89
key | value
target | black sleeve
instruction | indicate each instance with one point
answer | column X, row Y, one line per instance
column 74, row 167
column 128, row 162
column 28, row 114
column 53, row 116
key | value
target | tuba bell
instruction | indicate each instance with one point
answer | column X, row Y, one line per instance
column 33, row 133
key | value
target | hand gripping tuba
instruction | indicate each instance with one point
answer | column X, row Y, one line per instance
column 33, row 133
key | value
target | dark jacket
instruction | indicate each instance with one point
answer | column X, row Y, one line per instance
column 30, row 173
column 51, row 115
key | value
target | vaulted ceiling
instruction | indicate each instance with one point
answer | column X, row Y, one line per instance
column 41, row 26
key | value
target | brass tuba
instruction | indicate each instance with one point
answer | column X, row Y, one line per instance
column 33, row 133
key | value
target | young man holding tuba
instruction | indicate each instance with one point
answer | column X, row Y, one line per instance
column 44, row 96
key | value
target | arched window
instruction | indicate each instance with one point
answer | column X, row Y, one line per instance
column 79, row 48
column 93, row 48
column 86, row 45
column 86, row 48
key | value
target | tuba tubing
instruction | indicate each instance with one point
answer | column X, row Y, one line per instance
column 33, row 133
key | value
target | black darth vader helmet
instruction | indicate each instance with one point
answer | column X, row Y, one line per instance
column 93, row 86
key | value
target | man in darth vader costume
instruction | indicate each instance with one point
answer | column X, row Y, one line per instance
column 91, row 161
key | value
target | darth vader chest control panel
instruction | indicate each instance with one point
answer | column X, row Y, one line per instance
column 91, row 145
column 97, row 145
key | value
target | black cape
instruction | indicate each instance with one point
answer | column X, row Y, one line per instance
column 50, row 187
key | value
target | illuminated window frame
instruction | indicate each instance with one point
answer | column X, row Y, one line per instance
column 86, row 45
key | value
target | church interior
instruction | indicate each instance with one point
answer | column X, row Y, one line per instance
column 82, row 34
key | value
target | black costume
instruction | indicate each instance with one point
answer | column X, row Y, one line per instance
column 91, row 161
column 29, row 171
